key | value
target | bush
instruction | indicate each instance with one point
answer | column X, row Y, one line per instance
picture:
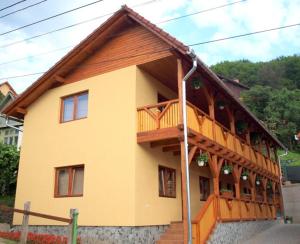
column 9, row 162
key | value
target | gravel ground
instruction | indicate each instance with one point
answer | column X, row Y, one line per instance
column 278, row 234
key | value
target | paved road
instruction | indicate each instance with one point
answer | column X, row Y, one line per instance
column 278, row 234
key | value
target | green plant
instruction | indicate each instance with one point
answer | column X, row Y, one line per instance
column 241, row 126
column 227, row 169
column 202, row 159
column 225, row 190
column 9, row 161
column 245, row 174
column 196, row 83
column 269, row 184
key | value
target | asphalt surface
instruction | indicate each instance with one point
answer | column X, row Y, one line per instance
column 278, row 234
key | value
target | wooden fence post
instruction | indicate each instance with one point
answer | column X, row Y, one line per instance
column 72, row 228
column 24, row 231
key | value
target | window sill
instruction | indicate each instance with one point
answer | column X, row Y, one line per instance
column 63, row 122
column 58, row 196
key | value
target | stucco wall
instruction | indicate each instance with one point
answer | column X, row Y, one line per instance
column 291, row 198
column 150, row 208
column 104, row 142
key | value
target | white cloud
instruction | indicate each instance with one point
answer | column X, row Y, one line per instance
column 251, row 15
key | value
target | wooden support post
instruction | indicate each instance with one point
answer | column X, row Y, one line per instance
column 24, row 231
column 182, row 150
column 216, row 185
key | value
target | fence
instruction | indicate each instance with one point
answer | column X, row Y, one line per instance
column 72, row 221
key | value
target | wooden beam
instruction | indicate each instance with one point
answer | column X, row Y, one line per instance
column 59, row 79
column 192, row 153
column 171, row 148
column 165, row 143
column 21, row 110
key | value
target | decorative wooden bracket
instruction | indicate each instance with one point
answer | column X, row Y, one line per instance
column 247, row 206
column 237, row 171
column 228, row 203
column 59, row 79
column 192, row 153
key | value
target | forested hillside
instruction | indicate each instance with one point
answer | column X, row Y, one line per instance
column 274, row 94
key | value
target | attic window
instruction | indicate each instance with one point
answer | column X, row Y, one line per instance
column 74, row 107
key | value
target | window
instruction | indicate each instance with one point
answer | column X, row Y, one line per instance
column 74, row 107
column 69, row 181
column 204, row 188
column 11, row 137
column 167, row 182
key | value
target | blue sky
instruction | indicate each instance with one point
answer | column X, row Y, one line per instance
column 248, row 16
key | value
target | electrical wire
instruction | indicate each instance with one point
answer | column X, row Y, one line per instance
column 14, row 4
column 194, row 44
column 21, row 9
column 105, row 15
column 51, row 17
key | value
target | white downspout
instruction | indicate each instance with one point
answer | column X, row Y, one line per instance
column 186, row 152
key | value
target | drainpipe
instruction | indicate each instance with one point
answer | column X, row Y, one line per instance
column 186, row 152
column 279, row 161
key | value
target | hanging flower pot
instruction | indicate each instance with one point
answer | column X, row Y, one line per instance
column 221, row 104
column 197, row 83
column 257, row 181
column 202, row 159
column 227, row 169
column 245, row 175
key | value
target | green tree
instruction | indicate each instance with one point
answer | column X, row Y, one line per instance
column 1, row 96
column 257, row 99
column 9, row 161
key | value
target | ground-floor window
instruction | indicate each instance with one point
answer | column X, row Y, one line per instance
column 167, row 182
column 69, row 181
column 204, row 188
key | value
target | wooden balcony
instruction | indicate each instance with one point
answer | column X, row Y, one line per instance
column 161, row 122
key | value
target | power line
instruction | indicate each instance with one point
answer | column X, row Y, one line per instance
column 199, row 12
column 12, row 5
column 246, row 34
column 51, row 17
column 101, row 16
column 21, row 9
column 194, row 44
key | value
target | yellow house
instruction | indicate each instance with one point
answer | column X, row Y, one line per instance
column 110, row 142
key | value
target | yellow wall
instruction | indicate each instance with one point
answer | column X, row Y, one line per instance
column 104, row 142
column 121, row 177
column 150, row 208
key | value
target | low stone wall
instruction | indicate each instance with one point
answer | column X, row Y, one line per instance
column 107, row 235
column 238, row 232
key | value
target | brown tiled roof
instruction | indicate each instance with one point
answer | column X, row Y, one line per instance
column 10, row 87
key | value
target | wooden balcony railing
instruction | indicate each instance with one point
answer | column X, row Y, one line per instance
column 218, row 208
column 166, row 115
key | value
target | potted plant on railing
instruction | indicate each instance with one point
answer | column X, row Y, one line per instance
column 227, row 169
column 226, row 193
column 245, row 175
column 202, row 159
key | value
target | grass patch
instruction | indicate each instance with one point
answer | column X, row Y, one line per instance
column 291, row 159
column 7, row 200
